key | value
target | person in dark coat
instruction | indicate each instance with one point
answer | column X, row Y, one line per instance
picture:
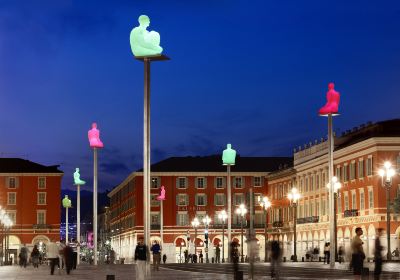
column 378, row 254
column 164, row 258
column 35, row 256
column 235, row 257
column 68, row 258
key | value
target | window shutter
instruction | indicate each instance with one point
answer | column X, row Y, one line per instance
column 224, row 199
column 224, row 182
column 177, row 182
column 177, row 200
column 186, row 182
column 205, row 182
column 233, row 181
column 215, row 182
column 177, row 219
column 158, row 182
column 196, row 182
column 252, row 181
column 195, row 201
column 205, row 200
column 187, row 200
column 243, row 182
column 7, row 181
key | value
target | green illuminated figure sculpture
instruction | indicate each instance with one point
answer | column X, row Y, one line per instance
column 66, row 202
column 228, row 155
column 77, row 178
column 144, row 42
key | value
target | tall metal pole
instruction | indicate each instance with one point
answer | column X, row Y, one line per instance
column 389, row 255
column 66, row 225
column 331, row 194
column 194, row 240
column 95, row 204
column 162, row 223
column 78, row 221
column 146, row 153
column 223, row 241
column 335, row 195
column 294, row 230
column 207, row 261
column 241, row 238
column 229, row 211
column 265, row 235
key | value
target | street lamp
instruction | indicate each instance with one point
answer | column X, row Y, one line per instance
column 241, row 210
column 228, row 159
column 387, row 174
column 294, row 197
column 195, row 224
column 222, row 216
column 336, row 187
column 66, row 202
column 265, row 204
column 206, row 222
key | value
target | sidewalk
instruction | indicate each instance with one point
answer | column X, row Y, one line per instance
column 390, row 267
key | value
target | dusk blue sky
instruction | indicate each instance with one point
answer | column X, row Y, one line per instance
column 253, row 73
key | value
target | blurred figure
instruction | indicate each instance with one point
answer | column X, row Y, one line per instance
column 23, row 256
column 235, row 257
column 217, row 254
column 327, row 252
column 68, row 253
column 35, row 256
column 164, row 258
column 341, row 254
column 156, row 250
column 142, row 255
column 186, row 254
column 358, row 255
column 52, row 255
column 201, row 257
column 396, row 253
column 275, row 259
column 252, row 253
column 378, row 254
column 112, row 256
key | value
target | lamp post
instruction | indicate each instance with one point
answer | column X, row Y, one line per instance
column 294, row 197
column 387, row 174
column 180, row 252
column 228, row 159
column 195, row 224
column 206, row 222
column 66, row 202
column 336, row 187
column 222, row 216
column 241, row 210
column 265, row 204
column 78, row 183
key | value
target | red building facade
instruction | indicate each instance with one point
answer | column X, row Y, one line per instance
column 195, row 187
column 30, row 194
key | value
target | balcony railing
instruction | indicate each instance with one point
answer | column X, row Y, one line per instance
column 155, row 227
column 350, row 213
column 41, row 226
column 306, row 220
column 277, row 224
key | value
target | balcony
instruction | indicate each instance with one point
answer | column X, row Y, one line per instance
column 350, row 213
column 155, row 227
column 306, row 220
column 41, row 226
column 277, row 224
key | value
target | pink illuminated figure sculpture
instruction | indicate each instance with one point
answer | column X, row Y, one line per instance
column 332, row 104
column 162, row 194
column 94, row 137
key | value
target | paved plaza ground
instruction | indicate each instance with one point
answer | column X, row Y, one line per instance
column 290, row 271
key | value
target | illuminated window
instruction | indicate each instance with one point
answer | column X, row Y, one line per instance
column 41, row 198
column 42, row 182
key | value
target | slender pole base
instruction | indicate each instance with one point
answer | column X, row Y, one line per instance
column 295, row 233
column 66, row 226
column 389, row 254
column 95, row 205
column 162, row 223
column 78, row 222
column 207, row 261
column 223, row 242
column 265, row 236
column 332, row 216
column 229, row 189
column 194, row 240
column 241, row 240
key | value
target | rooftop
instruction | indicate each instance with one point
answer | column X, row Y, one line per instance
column 19, row 165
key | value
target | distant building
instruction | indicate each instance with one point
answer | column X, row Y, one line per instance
column 195, row 187
column 358, row 155
column 30, row 194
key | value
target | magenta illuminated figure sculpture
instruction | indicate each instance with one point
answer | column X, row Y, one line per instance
column 332, row 104
column 162, row 194
column 94, row 137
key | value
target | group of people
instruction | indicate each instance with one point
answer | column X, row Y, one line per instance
column 36, row 256
column 61, row 255
column 142, row 258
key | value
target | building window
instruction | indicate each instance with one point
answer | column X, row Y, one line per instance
column 153, row 200
column 361, row 169
column 182, row 183
column 345, row 173
column 339, row 205
column 362, row 202
column 13, row 216
column 201, row 200
column 312, row 209
column 352, row 171
column 11, row 198
column 155, row 218
column 369, row 166
column 346, row 202
column 238, row 183
column 12, row 182
column 259, row 218
column 200, row 183
column 41, row 217
column 219, row 182
column 41, row 198
column 371, row 199
column 238, row 199
column 155, row 182
column 354, row 200
column 317, row 208
column 257, row 181
column 182, row 200
column 42, row 182
column 182, row 219
column 323, row 207
column 219, row 199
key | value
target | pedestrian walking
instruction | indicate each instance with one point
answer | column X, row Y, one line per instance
column 68, row 258
column 53, row 255
column 23, row 256
column 217, row 254
column 35, row 256
column 341, row 254
column 327, row 252
column 275, row 259
column 164, row 258
column 378, row 254
column 358, row 256
column 142, row 256
column 186, row 254
column 201, row 257
column 156, row 250
column 235, row 258
column 112, row 256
